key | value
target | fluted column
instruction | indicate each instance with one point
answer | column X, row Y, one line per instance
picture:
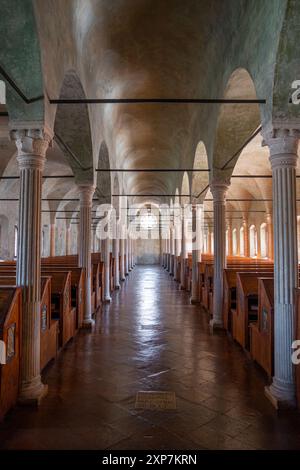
column 52, row 239
column 197, row 211
column 172, row 242
column 209, row 244
column 164, row 252
column 175, row 252
column 270, row 236
column 68, row 240
column 107, row 297
column 258, row 234
column 218, row 190
column 229, row 228
column 183, row 252
column 116, row 249
column 283, row 157
column 122, row 254
column 31, row 156
column 127, row 253
column 246, row 238
column 86, row 192
column 133, row 252
column 169, row 250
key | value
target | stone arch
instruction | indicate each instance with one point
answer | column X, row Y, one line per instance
column 185, row 189
column 20, row 58
column 200, row 180
column 72, row 129
column 235, row 123
column 116, row 198
column 287, row 68
column 103, row 179
column 4, row 237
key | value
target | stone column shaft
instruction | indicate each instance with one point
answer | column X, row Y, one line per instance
column 116, row 248
column 209, row 234
column 229, row 227
column 283, row 158
column 127, row 255
column 246, row 239
column 68, row 240
column 107, row 297
column 122, row 260
column 52, row 239
column 219, row 200
column 175, row 253
column 32, row 146
column 183, row 252
column 196, row 250
column 86, row 193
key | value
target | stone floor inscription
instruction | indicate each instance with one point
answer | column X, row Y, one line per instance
column 155, row 400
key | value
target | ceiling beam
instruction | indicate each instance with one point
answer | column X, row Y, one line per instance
column 152, row 170
column 156, row 101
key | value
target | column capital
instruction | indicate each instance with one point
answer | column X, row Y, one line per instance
column 219, row 190
column 32, row 145
column 86, row 193
column 283, row 145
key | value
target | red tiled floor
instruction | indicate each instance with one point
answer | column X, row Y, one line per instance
column 152, row 339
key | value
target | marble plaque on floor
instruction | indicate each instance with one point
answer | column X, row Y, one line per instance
column 155, row 400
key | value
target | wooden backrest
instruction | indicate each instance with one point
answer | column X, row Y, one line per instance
column 10, row 334
column 266, row 305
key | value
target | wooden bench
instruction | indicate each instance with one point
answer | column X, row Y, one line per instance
column 77, row 288
column 111, row 273
column 207, row 289
column 247, row 306
column 297, row 337
column 188, row 272
column 229, row 289
column 262, row 331
column 49, row 327
column 61, row 305
column 10, row 334
column 96, row 292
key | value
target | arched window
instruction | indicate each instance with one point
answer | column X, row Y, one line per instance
column 263, row 241
column 234, row 242
column 253, row 241
column 212, row 242
column 242, row 241
column 16, row 242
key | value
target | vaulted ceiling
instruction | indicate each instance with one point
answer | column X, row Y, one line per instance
column 148, row 49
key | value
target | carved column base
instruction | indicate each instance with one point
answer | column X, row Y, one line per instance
column 280, row 399
column 88, row 323
column 216, row 325
column 32, row 393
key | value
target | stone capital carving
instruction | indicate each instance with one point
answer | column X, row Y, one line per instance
column 283, row 145
column 219, row 190
column 32, row 145
column 86, row 192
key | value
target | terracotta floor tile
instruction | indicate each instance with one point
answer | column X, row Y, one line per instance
column 152, row 339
